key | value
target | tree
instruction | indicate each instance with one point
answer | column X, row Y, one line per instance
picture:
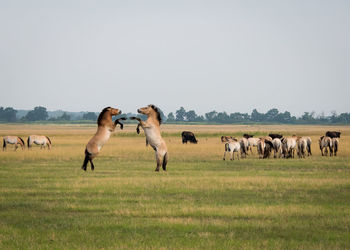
column 90, row 116
column 271, row 115
column 210, row 116
column 38, row 114
column 8, row 114
column 171, row 117
column 191, row 116
column 64, row 117
column 256, row 116
column 180, row 114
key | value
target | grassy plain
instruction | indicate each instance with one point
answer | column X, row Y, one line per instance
column 48, row 202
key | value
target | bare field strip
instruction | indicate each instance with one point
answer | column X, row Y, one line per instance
column 47, row 201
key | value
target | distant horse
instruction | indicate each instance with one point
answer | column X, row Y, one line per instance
column 277, row 147
column 253, row 142
column 41, row 140
column 231, row 147
column 10, row 139
column 308, row 147
column 244, row 146
column 289, row 145
column 333, row 134
column 151, row 128
column 325, row 143
column 226, row 138
column 105, row 127
column 302, row 147
column 335, row 142
column 273, row 136
column 188, row 136
column 264, row 148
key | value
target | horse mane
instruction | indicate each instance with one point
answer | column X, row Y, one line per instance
column 21, row 140
column 156, row 109
column 100, row 116
column 48, row 139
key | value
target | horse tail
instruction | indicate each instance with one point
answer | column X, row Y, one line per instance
column 227, row 147
column 4, row 144
column 335, row 148
column 165, row 161
column 22, row 141
column 48, row 139
column 28, row 141
column 86, row 160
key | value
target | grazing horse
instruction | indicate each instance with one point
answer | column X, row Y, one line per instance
column 41, row 140
column 105, row 127
column 244, row 146
column 273, row 136
column 188, row 136
column 10, row 139
column 226, row 138
column 253, row 142
column 277, row 147
column 289, row 145
column 231, row 147
column 247, row 136
column 264, row 148
column 326, row 143
column 302, row 146
column 151, row 127
column 333, row 134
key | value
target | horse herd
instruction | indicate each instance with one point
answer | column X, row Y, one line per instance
column 281, row 146
column 278, row 144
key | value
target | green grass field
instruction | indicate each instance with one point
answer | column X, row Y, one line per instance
column 48, row 202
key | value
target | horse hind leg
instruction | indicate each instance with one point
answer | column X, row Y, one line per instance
column 165, row 161
column 92, row 165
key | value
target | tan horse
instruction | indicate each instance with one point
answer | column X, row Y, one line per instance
column 151, row 128
column 105, row 127
column 10, row 139
column 40, row 140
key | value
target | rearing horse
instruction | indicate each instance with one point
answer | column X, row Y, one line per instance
column 105, row 127
column 10, row 139
column 152, row 131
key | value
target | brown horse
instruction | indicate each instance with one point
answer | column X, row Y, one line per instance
column 10, row 139
column 152, row 131
column 105, row 127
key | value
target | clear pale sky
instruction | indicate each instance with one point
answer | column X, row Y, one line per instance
column 218, row 55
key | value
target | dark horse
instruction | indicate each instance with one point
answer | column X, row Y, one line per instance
column 188, row 136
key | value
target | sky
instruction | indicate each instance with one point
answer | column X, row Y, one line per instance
column 231, row 56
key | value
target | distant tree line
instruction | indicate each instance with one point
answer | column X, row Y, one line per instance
column 182, row 116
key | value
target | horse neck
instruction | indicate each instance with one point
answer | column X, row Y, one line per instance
column 152, row 118
column 106, row 120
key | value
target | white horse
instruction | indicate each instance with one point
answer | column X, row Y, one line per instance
column 302, row 146
column 231, row 147
column 40, row 140
column 335, row 142
column 289, row 145
column 9, row 139
column 253, row 142
column 277, row 147
column 244, row 147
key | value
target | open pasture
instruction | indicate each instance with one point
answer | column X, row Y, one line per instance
column 47, row 201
